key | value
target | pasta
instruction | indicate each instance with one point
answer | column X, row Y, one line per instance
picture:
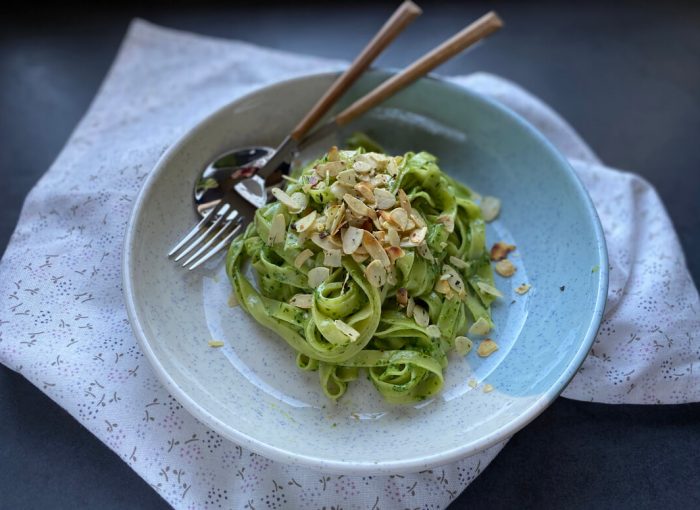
column 368, row 262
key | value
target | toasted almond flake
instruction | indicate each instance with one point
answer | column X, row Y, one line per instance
column 489, row 289
column 365, row 190
column 505, row 268
column 402, row 296
column 523, row 288
column 410, row 307
column 391, row 277
column 443, row 287
column 278, row 230
column 385, row 199
column 459, row 263
column 393, row 236
column 420, row 315
column 380, row 236
column 418, row 219
column 500, row 250
column 332, row 258
column 232, row 300
column 302, row 257
column 454, row 279
column 394, row 252
column 486, row 348
column 399, row 217
column 404, row 201
column 294, row 205
column 392, row 168
column 339, row 220
column 347, row 177
column 375, row 249
column 379, row 180
column 490, row 207
column 331, row 169
column 375, row 272
column 356, row 205
column 323, row 242
column 480, row 328
column 463, row 345
column 362, row 166
column 448, row 221
column 216, row 343
column 488, row 388
column 301, row 201
column 472, row 383
column 317, row 276
column 359, row 257
column 304, row 223
column 302, row 300
column 352, row 239
column 433, row 331
column 333, row 154
column 347, row 330
column 418, row 235
column 424, row 252
column 338, row 190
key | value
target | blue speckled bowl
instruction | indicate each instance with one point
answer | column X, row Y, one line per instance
column 250, row 390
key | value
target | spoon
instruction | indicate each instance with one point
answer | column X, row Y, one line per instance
column 241, row 163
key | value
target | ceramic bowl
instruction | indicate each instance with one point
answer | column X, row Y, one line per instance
column 250, row 390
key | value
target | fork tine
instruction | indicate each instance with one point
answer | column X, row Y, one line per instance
column 233, row 221
column 212, row 212
column 225, row 210
column 216, row 249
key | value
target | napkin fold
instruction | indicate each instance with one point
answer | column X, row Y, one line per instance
column 63, row 324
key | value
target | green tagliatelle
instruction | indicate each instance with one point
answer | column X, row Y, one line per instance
column 372, row 262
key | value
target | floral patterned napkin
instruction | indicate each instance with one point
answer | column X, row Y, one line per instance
column 64, row 327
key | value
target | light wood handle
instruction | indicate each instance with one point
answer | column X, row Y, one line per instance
column 402, row 17
column 484, row 26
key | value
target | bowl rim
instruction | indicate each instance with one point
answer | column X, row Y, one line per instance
column 499, row 435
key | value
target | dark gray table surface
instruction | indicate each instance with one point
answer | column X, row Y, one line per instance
column 626, row 76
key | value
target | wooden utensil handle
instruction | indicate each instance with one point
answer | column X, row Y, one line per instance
column 481, row 28
column 402, row 17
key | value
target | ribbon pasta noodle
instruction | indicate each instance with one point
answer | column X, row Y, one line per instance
column 368, row 262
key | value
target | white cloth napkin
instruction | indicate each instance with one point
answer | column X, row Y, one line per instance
column 64, row 327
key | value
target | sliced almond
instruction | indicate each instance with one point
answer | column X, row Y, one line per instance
column 216, row 343
column 459, row 263
column 356, row 205
column 278, row 230
column 338, row 190
column 393, row 237
column 330, row 169
column 505, row 268
column 365, row 190
column 454, row 279
column 424, row 252
column 339, row 220
column 295, row 205
column 487, row 347
column 359, row 257
column 523, row 288
column 352, row 239
column 402, row 296
column 302, row 257
column 391, row 276
column 304, row 223
column 472, row 383
column 392, row 168
column 347, row 330
column 399, row 217
column 418, row 219
column 317, row 276
column 410, row 307
column 333, row 154
column 418, row 235
column 490, row 207
column 374, row 248
column 404, row 201
column 376, row 273
column 489, row 289
column 385, row 199
column 420, row 315
column 332, row 258
column 325, row 242
column 443, row 287
column 488, row 388
column 301, row 300
column 500, row 250
column 463, row 345
column 480, row 328
column 433, row 331
column 394, row 252
column 347, row 177
column 448, row 221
